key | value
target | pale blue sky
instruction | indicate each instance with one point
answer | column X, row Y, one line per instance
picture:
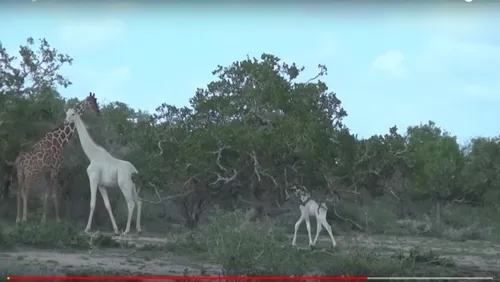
column 389, row 64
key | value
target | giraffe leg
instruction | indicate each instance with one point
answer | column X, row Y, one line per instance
column 46, row 197
column 93, row 191
column 55, row 200
column 127, row 187
column 20, row 188
column 138, row 202
column 129, row 198
column 25, row 204
column 303, row 217
column 322, row 220
column 45, row 200
column 138, row 218
column 318, row 229
column 105, row 198
column 297, row 225
column 19, row 204
column 28, row 182
column 131, row 207
column 53, row 182
column 308, row 226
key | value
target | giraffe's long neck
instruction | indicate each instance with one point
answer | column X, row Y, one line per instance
column 91, row 149
column 60, row 136
column 80, row 108
column 69, row 129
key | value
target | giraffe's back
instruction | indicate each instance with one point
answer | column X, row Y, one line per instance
column 42, row 156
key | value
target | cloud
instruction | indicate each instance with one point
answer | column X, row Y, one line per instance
column 390, row 62
column 91, row 34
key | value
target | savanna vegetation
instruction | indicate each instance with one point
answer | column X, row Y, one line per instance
column 214, row 175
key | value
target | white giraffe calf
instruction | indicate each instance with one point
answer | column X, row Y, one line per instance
column 106, row 171
column 310, row 208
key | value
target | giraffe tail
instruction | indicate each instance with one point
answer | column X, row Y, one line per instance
column 135, row 195
column 135, row 188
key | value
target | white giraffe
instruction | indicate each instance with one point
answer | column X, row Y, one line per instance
column 310, row 208
column 106, row 171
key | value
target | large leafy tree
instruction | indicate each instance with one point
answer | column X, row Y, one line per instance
column 248, row 135
column 481, row 172
column 436, row 160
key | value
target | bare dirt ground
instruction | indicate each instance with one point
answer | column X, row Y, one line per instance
column 482, row 255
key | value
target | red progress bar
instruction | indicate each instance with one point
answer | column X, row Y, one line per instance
column 240, row 278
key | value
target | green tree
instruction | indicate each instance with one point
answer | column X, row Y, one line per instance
column 436, row 161
column 481, row 172
column 249, row 134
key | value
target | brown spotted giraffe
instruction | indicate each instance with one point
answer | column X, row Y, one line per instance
column 45, row 156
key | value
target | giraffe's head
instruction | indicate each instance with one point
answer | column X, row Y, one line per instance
column 71, row 116
column 88, row 103
column 298, row 191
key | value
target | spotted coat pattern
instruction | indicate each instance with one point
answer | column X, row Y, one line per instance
column 45, row 157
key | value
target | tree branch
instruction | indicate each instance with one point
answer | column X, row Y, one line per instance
column 160, row 148
column 224, row 179
column 162, row 199
column 258, row 170
column 219, row 156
